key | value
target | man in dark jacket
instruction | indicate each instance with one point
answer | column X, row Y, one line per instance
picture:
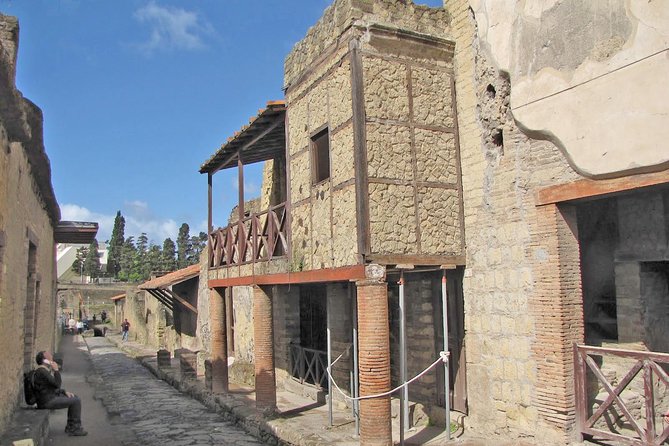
column 51, row 396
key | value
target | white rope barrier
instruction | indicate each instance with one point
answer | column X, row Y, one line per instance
column 443, row 358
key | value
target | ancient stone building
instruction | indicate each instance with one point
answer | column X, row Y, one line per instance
column 564, row 163
column 29, row 227
column 513, row 150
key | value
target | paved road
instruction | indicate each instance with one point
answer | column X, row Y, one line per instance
column 153, row 411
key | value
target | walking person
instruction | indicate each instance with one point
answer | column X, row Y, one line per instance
column 125, row 328
column 51, row 396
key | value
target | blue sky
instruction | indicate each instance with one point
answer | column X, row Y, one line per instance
column 137, row 94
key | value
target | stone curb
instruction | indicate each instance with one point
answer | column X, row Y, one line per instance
column 27, row 423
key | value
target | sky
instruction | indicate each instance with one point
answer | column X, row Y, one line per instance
column 137, row 94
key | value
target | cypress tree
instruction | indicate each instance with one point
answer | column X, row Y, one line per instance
column 183, row 246
column 168, row 262
column 116, row 246
column 92, row 260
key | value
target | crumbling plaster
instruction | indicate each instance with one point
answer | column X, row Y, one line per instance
column 588, row 76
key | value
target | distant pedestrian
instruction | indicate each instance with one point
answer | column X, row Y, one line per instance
column 80, row 327
column 125, row 328
column 103, row 316
column 72, row 325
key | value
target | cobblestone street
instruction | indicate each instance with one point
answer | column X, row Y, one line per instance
column 153, row 412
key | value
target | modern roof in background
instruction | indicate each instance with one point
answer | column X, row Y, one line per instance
column 75, row 232
column 264, row 138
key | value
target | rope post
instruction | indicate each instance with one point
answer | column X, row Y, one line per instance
column 447, row 384
column 329, row 341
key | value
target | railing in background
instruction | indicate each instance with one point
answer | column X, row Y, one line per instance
column 308, row 365
column 256, row 238
column 641, row 432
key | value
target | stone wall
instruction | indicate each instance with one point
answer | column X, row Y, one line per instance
column 420, row 291
column 412, row 152
column 28, row 212
column 286, row 307
column 242, row 303
column 323, row 223
column 563, row 57
column 409, row 145
column 521, row 285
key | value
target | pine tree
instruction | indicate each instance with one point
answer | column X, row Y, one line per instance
column 168, row 261
column 116, row 246
column 92, row 260
column 183, row 246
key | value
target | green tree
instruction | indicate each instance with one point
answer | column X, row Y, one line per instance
column 198, row 243
column 92, row 260
column 168, row 260
column 184, row 248
column 115, row 246
column 153, row 262
column 127, row 260
column 77, row 265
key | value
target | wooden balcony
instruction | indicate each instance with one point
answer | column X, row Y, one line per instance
column 259, row 237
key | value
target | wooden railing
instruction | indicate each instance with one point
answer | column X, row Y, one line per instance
column 258, row 237
column 309, row 365
column 642, row 431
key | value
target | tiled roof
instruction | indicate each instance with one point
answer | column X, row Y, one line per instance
column 172, row 278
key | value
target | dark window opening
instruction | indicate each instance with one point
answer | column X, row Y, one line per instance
column 320, row 149
column 490, row 91
column 498, row 137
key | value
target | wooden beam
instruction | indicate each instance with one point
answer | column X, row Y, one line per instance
column 416, row 260
column 162, row 299
column 345, row 273
column 587, row 188
column 360, row 149
column 257, row 138
column 209, row 203
column 180, row 299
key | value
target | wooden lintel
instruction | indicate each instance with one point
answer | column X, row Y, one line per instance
column 404, row 266
column 181, row 300
column 591, row 188
column 416, row 260
column 346, row 273
column 448, row 266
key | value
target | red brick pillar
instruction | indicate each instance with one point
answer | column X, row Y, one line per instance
column 557, row 308
column 219, row 342
column 374, row 358
column 263, row 334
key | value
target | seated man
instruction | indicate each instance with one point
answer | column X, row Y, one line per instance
column 51, row 396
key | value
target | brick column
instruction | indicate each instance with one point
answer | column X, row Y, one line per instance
column 263, row 337
column 374, row 360
column 219, row 342
column 557, row 308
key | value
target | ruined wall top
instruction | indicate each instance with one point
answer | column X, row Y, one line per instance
column 343, row 14
column 21, row 119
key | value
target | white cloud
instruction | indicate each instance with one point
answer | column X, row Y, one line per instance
column 251, row 188
column 138, row 218
column 172, row 28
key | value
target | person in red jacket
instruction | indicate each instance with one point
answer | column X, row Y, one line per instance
column 51, row 396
